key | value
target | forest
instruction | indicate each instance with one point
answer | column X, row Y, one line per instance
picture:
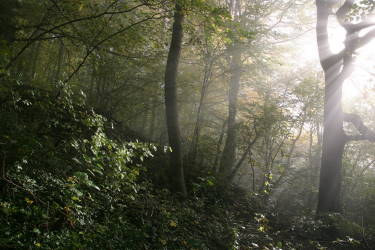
column 187, row 124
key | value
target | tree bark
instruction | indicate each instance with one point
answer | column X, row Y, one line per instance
column 333, row 148
column 333, row 133
column 337, row 68
column 229, row 152
column 175, row 165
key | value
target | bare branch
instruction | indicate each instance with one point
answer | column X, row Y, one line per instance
column 86, row 18
column 365, row 132
column 98, row 44
column 39, row 39
column 359, row 26
column 365, row 39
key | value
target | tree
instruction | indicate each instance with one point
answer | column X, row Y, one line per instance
column 176, row 167
column 250, row 26
column 337, row 68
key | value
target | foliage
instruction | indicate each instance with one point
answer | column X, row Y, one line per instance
column 60, row 169
column 67, row 185
column 83, row 143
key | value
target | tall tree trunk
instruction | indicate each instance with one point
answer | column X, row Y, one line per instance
column 333, row 133
column 337, row 68
column 176, row 168
column 229, row 152
column 333, row 148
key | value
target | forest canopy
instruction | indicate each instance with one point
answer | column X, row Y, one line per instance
column 174, row 124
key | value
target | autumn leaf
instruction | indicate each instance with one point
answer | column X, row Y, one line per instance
column 173, row 223
column 29, row 201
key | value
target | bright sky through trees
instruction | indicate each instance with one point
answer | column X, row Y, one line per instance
column 173, row 124
column 360, row 85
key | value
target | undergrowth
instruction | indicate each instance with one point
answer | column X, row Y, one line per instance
column 66, row 185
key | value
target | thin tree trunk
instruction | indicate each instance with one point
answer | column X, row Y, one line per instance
column 290, row 154
column 197, row 128
column 242, row 159
column 229, row 152
column 220, row 141
column 152, row 120
column 59, row 62
column 176, row 168
column 310, row 162
column 252, row 165
column 34, row 60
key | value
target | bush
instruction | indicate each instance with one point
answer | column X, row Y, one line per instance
column 63, row 178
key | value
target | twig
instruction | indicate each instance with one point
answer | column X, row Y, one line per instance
column 31, row 39
column 89, row 51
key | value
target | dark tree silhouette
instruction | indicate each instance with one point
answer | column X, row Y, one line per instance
column 176, row 167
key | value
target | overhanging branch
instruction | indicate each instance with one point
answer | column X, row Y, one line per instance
column 32, row 39
column 365, row 132
column 365, row 39
column 351, row 28
column 90, row 50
